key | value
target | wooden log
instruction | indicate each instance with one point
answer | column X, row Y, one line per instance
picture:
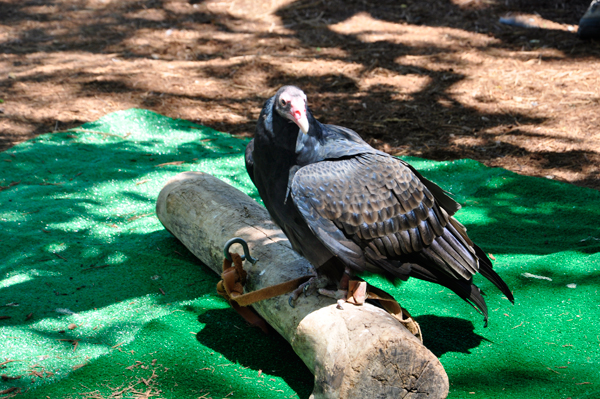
column 356, row 352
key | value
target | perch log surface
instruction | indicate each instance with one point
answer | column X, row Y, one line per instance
column 358, row 352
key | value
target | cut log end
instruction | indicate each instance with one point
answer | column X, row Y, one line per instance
column 356, row 352
column 397, row 368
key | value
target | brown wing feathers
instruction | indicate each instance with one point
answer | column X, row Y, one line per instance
column 384, row 206
column 377, row 203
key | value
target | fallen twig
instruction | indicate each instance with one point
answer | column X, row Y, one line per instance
column 529, row 275
column 14, row 183
column 160, row 165
column 9, row 390
column 131, row 219
column 8, row 361
column 74, row 342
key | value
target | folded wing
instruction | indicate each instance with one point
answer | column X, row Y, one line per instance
column 373, row 210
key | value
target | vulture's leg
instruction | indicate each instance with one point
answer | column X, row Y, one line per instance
column 303, row 288
column 308, row 288
column 346, row 292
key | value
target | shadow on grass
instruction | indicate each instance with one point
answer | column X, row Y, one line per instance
column 448, row 334
column 228, row 334
column 79, row 233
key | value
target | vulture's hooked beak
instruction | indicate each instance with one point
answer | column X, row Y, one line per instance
column 298, row 114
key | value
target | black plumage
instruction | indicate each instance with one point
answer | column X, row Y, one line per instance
column 340, row 200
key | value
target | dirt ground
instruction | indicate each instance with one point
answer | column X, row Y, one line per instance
column 441, row 79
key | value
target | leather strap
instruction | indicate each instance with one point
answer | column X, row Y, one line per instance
column 359, row 290
column 231, row 287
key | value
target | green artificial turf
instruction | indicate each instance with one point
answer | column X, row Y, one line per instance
column 82, row 248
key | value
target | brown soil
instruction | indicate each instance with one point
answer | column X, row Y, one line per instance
column 441, row 79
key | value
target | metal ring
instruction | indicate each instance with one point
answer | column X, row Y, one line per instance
column 238, row 240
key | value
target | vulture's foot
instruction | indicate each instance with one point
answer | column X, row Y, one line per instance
column 352, row 291
column 356, row 294
column 304, row 288
column 339, row 295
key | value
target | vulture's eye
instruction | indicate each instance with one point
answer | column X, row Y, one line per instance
column 283, row 102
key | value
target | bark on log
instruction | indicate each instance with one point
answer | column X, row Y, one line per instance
column 357, row 352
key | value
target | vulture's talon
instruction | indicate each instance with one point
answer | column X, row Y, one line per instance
column 302, row 289
column 306, row 287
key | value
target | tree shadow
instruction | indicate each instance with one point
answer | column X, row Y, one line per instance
column 431, row 116
column 477, row 17
column 422, row 122
column 71, row 246
column 250, row 347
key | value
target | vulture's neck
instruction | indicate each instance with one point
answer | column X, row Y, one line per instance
column 309, row 146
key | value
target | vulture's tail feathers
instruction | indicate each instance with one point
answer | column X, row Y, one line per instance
column 485, row 268
column 463, row 288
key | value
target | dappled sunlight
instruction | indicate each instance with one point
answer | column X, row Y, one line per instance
column 101, row 263
column 403, row 85
column 69, row 339
column 15, row 279
column 19, row 277
column 54, row 247
column 443, row 80
column 372, row 30
column 476, row 216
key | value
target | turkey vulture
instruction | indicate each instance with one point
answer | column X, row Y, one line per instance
column 340, row 201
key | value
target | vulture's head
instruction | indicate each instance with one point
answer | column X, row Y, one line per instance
column 290, row 103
